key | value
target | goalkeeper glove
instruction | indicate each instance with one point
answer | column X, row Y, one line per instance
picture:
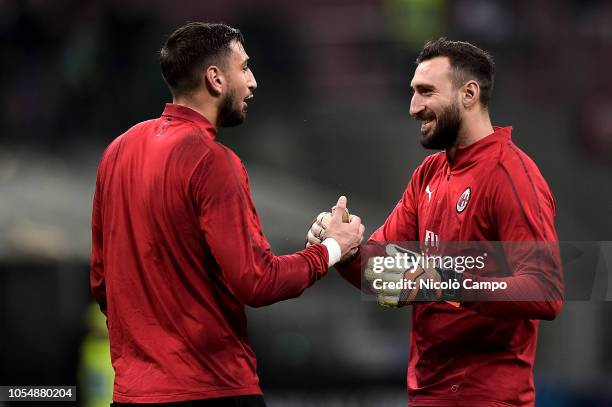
column 407, row 282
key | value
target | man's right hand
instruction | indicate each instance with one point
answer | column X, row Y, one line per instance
column 330, row 225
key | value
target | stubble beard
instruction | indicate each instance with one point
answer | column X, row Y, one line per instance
column 229, row 114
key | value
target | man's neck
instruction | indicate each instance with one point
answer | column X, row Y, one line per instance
column 200, row 104
column 472, row 130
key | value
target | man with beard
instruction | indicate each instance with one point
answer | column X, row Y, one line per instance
column 481, row 351
column 178, row 249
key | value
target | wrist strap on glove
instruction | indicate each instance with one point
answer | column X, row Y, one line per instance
column 455, row 283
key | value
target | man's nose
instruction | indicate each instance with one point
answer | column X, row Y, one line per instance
column 416, row 106
column 252, row 83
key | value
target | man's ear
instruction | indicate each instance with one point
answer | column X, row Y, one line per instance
column 470, row 95
column 214, row 80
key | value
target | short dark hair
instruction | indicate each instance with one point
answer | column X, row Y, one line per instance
column 192, row 48
column 467, row 62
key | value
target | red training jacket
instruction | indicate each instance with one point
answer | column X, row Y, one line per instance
column 177, row 253
column 480, row 354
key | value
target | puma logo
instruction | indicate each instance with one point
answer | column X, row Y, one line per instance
column 428, row 193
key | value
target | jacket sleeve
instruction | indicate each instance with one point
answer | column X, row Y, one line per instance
column 232, row 230
column 401, row 225
column 96, row 271
column 523, row 209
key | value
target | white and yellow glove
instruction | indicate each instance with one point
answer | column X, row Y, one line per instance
column 398, row 278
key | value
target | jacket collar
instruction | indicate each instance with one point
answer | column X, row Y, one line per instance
column 190, row 115
column 467, row 155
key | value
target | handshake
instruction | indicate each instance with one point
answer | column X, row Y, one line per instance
column 396, row 285
column 346, row 229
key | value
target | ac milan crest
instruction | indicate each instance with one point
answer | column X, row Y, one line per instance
column 463, row 200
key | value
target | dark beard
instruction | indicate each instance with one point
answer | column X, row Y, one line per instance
column 447, row 128
column 229, row 116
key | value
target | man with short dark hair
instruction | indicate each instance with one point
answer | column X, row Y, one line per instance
column 178, row 249
column 481, row 188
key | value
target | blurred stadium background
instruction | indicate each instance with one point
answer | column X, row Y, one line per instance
column 330, row 116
